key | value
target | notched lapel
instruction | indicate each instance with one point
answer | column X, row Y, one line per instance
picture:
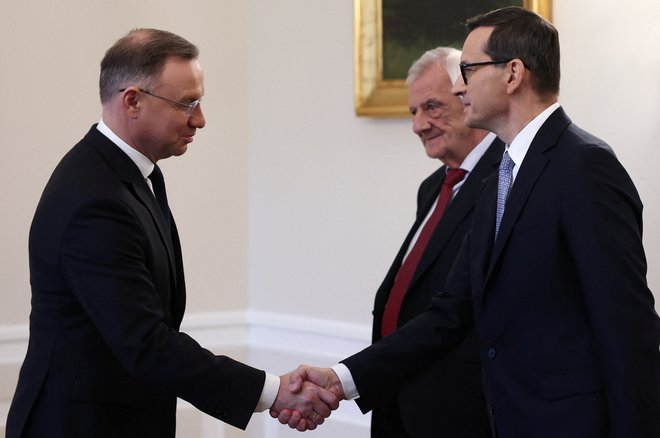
column 128, row 172
column 483, row 230
column 531, row 169
column 462, row 205
column 525, row 180
column 146, row 197
column 456, row 212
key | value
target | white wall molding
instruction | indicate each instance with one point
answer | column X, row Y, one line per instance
column 13, row 343
column 275, row 342
column 300, row 334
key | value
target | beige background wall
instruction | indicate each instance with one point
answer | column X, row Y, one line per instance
column 287, row 202
column 49, row 82
column 332, row 195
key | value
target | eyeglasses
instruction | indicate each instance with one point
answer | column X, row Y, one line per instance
column 468, row 68
column 187, row 107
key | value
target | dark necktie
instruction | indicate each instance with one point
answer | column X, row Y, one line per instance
column 158, row 184
column 407, row 270
column 505, row 178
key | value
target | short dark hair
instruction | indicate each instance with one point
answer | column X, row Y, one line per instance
column 520, row 33
column 140, row 56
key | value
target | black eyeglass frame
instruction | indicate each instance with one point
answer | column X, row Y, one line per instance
column 187, row 107
column 464, row 66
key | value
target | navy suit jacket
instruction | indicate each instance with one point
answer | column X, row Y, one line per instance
column 447, row 398
column 105, row 356
column 568, row 331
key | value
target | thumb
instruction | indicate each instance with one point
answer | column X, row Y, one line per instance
column 297, row 378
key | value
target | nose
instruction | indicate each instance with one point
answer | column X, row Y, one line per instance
column 197, row 119
column 420, row 123
column 459, row 87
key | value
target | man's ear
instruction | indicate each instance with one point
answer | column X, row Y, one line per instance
column 130, row 101
column 517, row 74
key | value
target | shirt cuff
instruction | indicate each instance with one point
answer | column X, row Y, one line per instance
column 269, row 393
column 347, row 382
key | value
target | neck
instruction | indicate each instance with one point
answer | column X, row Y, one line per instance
column 470, row 141
column 521, row 113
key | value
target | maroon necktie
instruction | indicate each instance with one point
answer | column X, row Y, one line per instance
column 407, row 270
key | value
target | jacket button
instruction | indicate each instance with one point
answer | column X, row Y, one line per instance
column 492, row 353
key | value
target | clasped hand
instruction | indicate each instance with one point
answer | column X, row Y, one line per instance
column 307, row 396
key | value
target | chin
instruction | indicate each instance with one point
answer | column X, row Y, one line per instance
column 435, row 152
column 180, row 151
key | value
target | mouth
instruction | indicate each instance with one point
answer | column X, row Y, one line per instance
column 427, row 138
column 188, row 138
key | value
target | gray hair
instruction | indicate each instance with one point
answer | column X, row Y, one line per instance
column 140, row 56
column 446, row 57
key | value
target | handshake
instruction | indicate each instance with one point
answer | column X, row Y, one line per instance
column 306, row 397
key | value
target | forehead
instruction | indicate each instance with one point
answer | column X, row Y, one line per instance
column 433, row 80
column 475, row 44
column 182, row 74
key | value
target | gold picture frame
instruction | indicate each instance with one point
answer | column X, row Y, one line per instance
column 378, row 97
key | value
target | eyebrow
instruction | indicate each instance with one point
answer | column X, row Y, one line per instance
column 433, row 100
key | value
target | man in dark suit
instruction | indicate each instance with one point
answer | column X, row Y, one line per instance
column 105, row 356
column 447, row 398
column 552, row 273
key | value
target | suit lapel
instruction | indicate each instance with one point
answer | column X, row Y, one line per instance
column 146, row 197
column 460, row 207
column 421, row 214
column 427, row 194
column 531, row 169
column 128, row 172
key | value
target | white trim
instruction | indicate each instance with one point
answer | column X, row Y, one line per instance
column 272, row 340
column 298, row 334
column 13, row 343
column 252, row 329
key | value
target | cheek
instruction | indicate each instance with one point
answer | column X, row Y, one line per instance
column 436, row 147
column 451, row 122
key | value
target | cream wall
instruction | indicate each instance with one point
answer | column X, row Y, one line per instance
column 287, row 203
column 49, row 86
column 332, row 195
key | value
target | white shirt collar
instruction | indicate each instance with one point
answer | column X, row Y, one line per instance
column 142, row 162
column 521, row 143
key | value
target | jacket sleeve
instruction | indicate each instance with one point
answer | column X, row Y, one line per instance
column 382, row 368
column 115, row 267
column 602, row 220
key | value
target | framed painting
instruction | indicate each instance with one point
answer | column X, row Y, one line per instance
column 390, row 35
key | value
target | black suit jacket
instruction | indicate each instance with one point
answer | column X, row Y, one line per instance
column 105, row 356
column 447, row 398
column 569, row 335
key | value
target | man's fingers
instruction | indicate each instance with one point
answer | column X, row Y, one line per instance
column 284, row 416
column 329, row 398
column 295, row 419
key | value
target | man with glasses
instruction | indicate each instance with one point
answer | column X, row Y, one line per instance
column 552, row 273
column 105, row 356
